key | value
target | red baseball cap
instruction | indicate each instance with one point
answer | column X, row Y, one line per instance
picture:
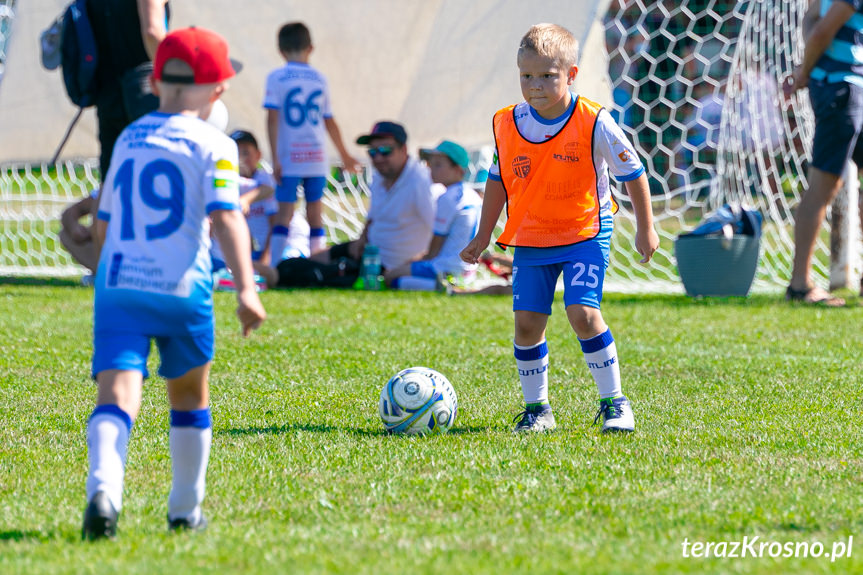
column 203, row 50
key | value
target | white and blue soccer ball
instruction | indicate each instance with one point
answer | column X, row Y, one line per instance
column 418, row 401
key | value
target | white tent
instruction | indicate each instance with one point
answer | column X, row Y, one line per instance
column 441, row 67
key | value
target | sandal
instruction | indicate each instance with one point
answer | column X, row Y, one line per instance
column 813, row 296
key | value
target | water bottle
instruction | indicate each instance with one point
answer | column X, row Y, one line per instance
column 371, row 270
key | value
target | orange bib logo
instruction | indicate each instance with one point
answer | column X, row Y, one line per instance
column 521, row 166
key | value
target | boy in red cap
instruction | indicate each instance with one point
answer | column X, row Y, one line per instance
column 171, row 174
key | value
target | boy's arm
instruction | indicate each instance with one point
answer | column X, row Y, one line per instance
column 100, row 226
column 257, row 194
column 70, row 219
column 646, row 239
column 350, row 163
column 817, row 42
column 273, row 137
column 99, row 236
column 492, row 203
column 233, row 235
column 813, row 14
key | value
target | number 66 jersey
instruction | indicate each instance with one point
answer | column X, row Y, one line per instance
column 168, row 172
column 299, row 94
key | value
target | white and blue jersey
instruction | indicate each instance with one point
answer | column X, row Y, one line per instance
column 456, row 219
column 258, row 218
column 612, row 152
column 843, row 59
column 300, row 95
column 168, row 173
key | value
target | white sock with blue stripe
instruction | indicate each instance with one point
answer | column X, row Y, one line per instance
column 278, row 241
column 601, row 356
column 108, row 441
column 532, row 364
column 317, row 239
column 190, row 438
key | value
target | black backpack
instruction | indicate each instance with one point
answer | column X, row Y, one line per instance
column 78, row 55
column 302, row 272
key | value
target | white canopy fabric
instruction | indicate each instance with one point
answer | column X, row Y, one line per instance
column 440, row 67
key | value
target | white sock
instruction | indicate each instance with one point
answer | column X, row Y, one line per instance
column 415, row 283
column 278, row 241
column 601, row 356
column 532, row 364
column 190, row 438
column 108, row 441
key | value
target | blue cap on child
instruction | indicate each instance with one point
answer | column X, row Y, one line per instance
column 451, row 150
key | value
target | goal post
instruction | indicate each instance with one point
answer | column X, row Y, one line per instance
column 695, row 85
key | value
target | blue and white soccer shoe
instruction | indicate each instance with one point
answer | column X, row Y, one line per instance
column 616, row 414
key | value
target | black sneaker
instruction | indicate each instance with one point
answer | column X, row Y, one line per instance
column 100, row 518
column 535, row 418
column 183, row 524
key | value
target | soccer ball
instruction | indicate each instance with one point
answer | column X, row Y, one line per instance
column 418, row 401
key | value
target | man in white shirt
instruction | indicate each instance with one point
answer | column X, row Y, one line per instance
column 402, row 211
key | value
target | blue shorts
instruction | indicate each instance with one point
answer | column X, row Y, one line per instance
column 313, row 188
column 838, row 112
column 423, row 269
column 533, row 286
column 129, row 352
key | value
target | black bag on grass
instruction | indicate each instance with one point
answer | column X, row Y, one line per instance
column 302, row 272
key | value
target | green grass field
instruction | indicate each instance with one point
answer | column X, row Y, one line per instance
column 748, row 415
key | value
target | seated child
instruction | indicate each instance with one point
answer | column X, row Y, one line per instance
column 456, row 219
column 260, row 207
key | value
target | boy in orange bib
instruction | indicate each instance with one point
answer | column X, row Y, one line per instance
column 554, row 154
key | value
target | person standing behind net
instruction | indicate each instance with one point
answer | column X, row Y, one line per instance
column 170, row 170
column 127, row 33
column 554, row 152
column 298, row 116
column 832, row 69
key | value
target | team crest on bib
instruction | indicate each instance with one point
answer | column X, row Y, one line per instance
column 521, row 166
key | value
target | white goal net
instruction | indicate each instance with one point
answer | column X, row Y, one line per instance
column 696, row 85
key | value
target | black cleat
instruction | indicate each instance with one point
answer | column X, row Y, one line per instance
column 183, row 524
column 100, row 518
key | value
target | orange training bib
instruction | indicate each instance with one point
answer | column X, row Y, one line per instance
column 551, row 187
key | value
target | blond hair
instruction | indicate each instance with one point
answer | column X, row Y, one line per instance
column 551, row 41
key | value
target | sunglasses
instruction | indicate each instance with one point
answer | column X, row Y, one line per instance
column 382, row 150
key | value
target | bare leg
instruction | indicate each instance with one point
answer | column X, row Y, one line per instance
column 121, row 388
column 586, row 321
column 529, row 327
column 823, row 187
column 191, row 390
